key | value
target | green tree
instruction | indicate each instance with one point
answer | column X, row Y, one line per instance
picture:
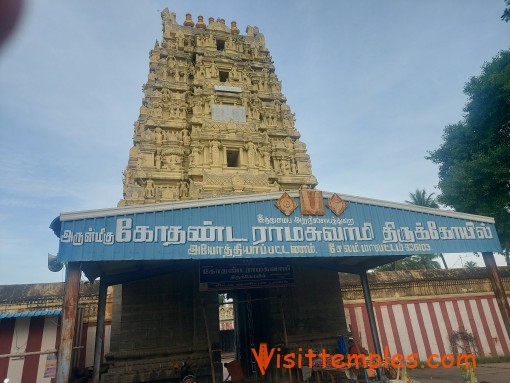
column 422, row 261
column 474, row 158
column 506, row 14
column 470, row 265
column 421, row 198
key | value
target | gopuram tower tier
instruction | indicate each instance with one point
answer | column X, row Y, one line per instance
column 213, row 120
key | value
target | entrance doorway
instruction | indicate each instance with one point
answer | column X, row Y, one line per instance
column 256, row 314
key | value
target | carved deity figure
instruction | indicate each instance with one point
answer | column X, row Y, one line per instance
column 211, row 41
column 287, row 121
column 185, row 137
column 171, row 63
column 245, row 77
column 157, row 112
column 263, row 83
column 174, row 162
column 136, row 129
column 162, row 74
column 265, row 159
column 215, row 152
column 207, row 105
column 229, row 43
column 182, row 112
column 200, row 40
column 213, row 71
column 277, row 105
column 269, row 118
column 128, row 177
column 171, row 136
column 149, row 189
column 139, row 161
column 234, row 74
column 293, row 168
column 285, row 167
column 180, row 39
column 159, row 137
column 196, row 131
column 177, row 74
column 197, row 107
column 252, row 153
column 157, row 160
column 200, row 72
column 289, row 145
column 195, row 156
column 183, row 190
column 274, row 86
column 154, row 57
column 165, row 95
column 255, row 107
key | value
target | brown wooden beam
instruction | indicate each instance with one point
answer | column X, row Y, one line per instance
column 70, row 308
column 499, row 290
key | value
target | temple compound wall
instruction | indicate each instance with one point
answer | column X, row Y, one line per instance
column 430, row 312
column 30, row 317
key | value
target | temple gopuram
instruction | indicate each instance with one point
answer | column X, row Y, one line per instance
column 214, row 120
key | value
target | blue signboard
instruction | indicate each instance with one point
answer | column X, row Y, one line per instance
column 245, row 273
column 255, row 228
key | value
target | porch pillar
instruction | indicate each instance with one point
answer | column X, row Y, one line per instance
column 70, row 308
column 499, row 289
column 370, row 311
column 99, row 342
column 371, row 319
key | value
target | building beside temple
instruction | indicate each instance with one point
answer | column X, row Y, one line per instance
column 30, row 324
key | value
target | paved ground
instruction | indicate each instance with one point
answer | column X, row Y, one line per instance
column 491, row 373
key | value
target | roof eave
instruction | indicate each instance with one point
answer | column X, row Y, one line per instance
column 175, row 205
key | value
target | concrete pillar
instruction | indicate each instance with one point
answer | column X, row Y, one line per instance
column 499, row 289
column 370, row 311
column 371, row 316
column 70, row 308
column 99, row 341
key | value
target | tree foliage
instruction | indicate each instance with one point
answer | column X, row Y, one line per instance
column 423, row 261
column 474, row 158
column 470, row 265
column 414, row 262
column 506, row 13
column 421, row 198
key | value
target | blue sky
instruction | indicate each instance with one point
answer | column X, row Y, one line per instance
column 372, row 84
